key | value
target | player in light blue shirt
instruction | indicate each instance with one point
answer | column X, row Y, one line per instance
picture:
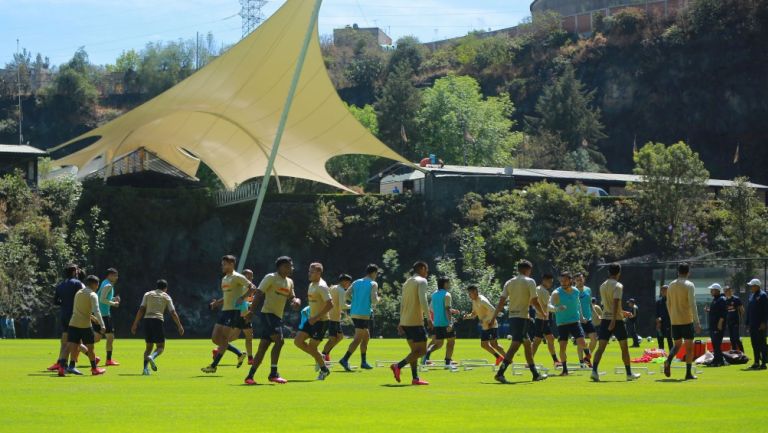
column 565, row 303
column 443, row 322
column 585, row 299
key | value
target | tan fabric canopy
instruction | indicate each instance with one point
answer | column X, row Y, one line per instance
column 226, row 114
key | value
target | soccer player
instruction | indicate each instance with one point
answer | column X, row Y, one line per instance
column 442, row 319
column 757, row 320
column 86, row 303
column 414, row 309
column 612, row 323
column 338, row 295
column 274, row 290
column 235, row 288
column 663, row 327
column 107, row 301
column 65, row 298
column 484, row 310
column 565, row 302
column 718, row 312
column 585, row 300
column 364, row 295
column 242, row 324
column 735, row 313
column 320, row 304
column 520, row 291
column 681, row 303
column 154, row 304
column 542, row 329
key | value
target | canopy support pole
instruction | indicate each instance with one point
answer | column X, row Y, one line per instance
column 279, row 135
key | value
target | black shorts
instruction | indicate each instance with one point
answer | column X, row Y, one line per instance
column 64, row 321
column 588, row 327
column 489, row 334
column 518, row 328
column 620, row 331
column 417, row 334
column 685, row 332
column 442, row 332
column 240, row 322
column 228, row 318
column 96, row 327
column 153, row 331
column 109, row 328
column 80, row 335
column 334, row 328
column 541, row 328
column 271, row 325
column 361, row 323
column 316, row 331
column 570, row 330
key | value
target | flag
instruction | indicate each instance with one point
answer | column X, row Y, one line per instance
column 402, row 134
column 736, row 156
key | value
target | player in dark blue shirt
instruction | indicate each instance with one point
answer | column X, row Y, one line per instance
column 65, row 298
column 663, row 325
column 733, row 320
column 717, row 315
column 757, row 318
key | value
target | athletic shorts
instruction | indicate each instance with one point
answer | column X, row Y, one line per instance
column 334, row 328
column 96, row 327
column 361, row 323
column 153, row 331
column 685, row 332
column 489, row 334
column 588, row 328
column 65, row 322
column 442, row 332
column 228, row 318
column 80, row 335
column 316, row 331
column 109, row 328
column 570, row 330
column 518, row 328
column 620, row 331
column 417, row 334
column 241, row 323
column 271, row 325
column 541, row 328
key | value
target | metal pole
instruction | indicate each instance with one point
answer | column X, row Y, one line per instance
column 18, row 81
column 279, row 135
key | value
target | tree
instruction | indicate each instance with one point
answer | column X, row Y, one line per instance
column 746, row 228
column 670, row 194
column 461, row 127
column 564, row 109
column 397, row 107
column 68, row 106
column 409, row 52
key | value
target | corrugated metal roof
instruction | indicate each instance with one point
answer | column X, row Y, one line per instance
column 21, row 149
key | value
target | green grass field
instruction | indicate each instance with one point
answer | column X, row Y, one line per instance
column 178, row 398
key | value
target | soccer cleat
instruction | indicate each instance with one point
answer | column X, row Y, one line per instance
column 500, row 378
column 152, row 363
column 249, row 381
column 763, row 367
column 241, row 359
column 366, row 366
column 97, row 371
column 395, row 371
column 277, row 379
column 595, row 376
column 667, row 369
column 450, row 367
column 540, row 377
column 632, row 377
column 112, row 363
column 754, row 367
column 327, row 357
column 690, row 377
column 54, row 367
column 564, row 373
column 208, row 370
column 499, row 360
column 145, row 372
column 419, row 382
column 344, row 363
column 61, row 372
column 558, row 364
column 74, row 371
column 323, row 375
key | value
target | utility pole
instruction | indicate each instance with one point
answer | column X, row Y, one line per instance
column 197, row 50
column 18, row 80
column 252, row 14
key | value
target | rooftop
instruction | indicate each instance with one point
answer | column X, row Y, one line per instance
column 20, row 149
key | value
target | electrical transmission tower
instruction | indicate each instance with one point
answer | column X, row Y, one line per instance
column 252, row 14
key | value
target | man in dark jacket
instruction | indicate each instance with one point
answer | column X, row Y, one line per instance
column 717, row 315
column 757, row 316
column 735, row 314
column 663, row 326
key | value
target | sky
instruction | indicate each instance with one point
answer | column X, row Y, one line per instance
column 106, row 28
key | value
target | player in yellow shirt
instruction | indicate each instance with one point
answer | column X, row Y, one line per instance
column 154, row 304
column 320, row 304
column 86, row 304
column 273, row 292
column 242, row 324
column 681, row 303
column 484, row 310
column 414, row 309
column 338, row 294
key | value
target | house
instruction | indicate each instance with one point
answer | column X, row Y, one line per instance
column 20, row 157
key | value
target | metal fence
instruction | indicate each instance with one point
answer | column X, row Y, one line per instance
column 241, row 194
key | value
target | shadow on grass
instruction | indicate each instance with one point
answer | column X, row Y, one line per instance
column 303, row 381
column 506, row 384
column 43, row 374
column 130, row 374
column 670, row 380
column 204, row 376
column 395, row 385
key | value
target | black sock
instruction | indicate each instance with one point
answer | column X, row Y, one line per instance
column 363, row 357
column 503, row 367
column 71, row 364
column 415, row 372
column 448, row 361
column 586, row 352
column 346, row 357
column 428, row 354
column 146, row 361
column 93, row 364
column 325, row 353
column 629, row 369
column 402, row 363
column 688, row 369
column 324, row 368
column 535, row 372
column 62, row 362
column 234, row 350
column 273, row 371
column 251, row 372
column 565, row 367
column 594, row 366
column 217, row 359
column 554, row 357
column 109, row 355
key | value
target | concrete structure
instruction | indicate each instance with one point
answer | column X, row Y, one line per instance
column 382, row 38
column 578, row 15
column 20, row 157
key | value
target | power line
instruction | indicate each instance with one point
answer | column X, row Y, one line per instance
column 252, row 14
